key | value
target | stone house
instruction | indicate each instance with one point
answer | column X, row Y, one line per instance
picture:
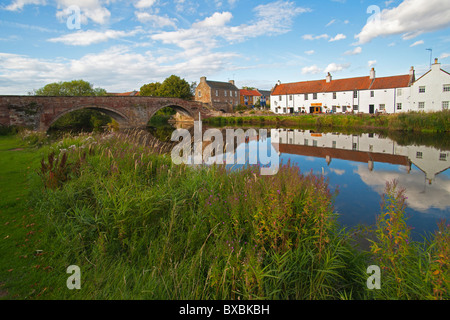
column 221, row 96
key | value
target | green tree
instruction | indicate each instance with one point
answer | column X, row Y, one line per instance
column 81, row 120
column 172, row 87
column 150, row 90
column 175, row 87
column 70, row 88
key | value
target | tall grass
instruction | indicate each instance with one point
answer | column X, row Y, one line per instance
column 140, row 227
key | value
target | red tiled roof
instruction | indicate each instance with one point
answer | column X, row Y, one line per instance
column 245, row 92
column 125, row 94
column 349, row 155
column 391, row 82
column 350, row 84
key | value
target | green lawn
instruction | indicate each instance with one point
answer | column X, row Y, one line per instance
column 18, row 228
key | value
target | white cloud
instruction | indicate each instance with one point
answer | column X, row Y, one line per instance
column 330, row 23
column 444, row 56
column 310, row 52
column 410, row 19
column 155, row 20
column 333, row 67
column 371, row 63
column 417, row 43
column 18, row 5
column 338, row 37
column 142, row 4
column 313, row 37
column 117, row 69
column 311, row 70
column 271, row 19
column 353, row 52
column 85, row 38
column 93, row 10
column 436, row 195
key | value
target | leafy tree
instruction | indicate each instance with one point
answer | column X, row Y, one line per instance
column 172, row 87
column 70, row 88
column 150, row 90
column 81, row 120
column 175, row 87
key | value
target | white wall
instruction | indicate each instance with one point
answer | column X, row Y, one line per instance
column 433, row 97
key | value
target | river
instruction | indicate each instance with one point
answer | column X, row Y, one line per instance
column 359, row 165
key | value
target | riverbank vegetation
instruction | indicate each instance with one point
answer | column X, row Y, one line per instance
column 406, row 122
column 140, row 227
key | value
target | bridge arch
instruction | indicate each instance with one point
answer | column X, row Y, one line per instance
column 182, row 110
column 114, row 114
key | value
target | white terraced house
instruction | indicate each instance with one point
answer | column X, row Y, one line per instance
column 367, row 94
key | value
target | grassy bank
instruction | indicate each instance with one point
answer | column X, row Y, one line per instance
column 141, row 228
column 412, row 122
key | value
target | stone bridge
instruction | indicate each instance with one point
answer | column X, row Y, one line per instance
column 39, row 113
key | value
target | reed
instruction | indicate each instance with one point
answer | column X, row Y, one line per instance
column 140, row 227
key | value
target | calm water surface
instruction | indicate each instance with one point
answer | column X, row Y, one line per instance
column 360, row 165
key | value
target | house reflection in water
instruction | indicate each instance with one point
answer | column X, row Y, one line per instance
column 364, row 148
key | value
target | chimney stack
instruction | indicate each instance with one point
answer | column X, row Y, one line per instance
column 412, row 75
column 372, row 74
column 436, row 65
column 203, row 79
column 329, row 78
column 232, row 82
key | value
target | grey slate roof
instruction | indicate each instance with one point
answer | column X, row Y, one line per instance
column 221, row 85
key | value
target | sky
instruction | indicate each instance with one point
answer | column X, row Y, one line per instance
column 121, row 45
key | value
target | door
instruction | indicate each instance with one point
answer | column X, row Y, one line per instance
column 371, row 109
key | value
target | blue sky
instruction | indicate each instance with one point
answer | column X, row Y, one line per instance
column 121, row 45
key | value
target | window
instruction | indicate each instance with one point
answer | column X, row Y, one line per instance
column 445, row 105
column 355, row 146
column 306, row 96
column 290, row 98
column 217, row 93
column 315, row 143
column 225, row 93
column 419, row 155
column 422, row 89
column 231, row 93
column 334, row 95
column 334, row 144
column 199, row 94
column 306, row 142
column 355, row 94
column 382, row 107
column 399, row 106
column 446, row 87
column 355, row 108
column 314, row 96
column 443, row 157
column 399, row 92
column 235, row 94
column 372, row 94
column 421, row 105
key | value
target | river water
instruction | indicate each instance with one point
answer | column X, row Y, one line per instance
column 359, row 165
